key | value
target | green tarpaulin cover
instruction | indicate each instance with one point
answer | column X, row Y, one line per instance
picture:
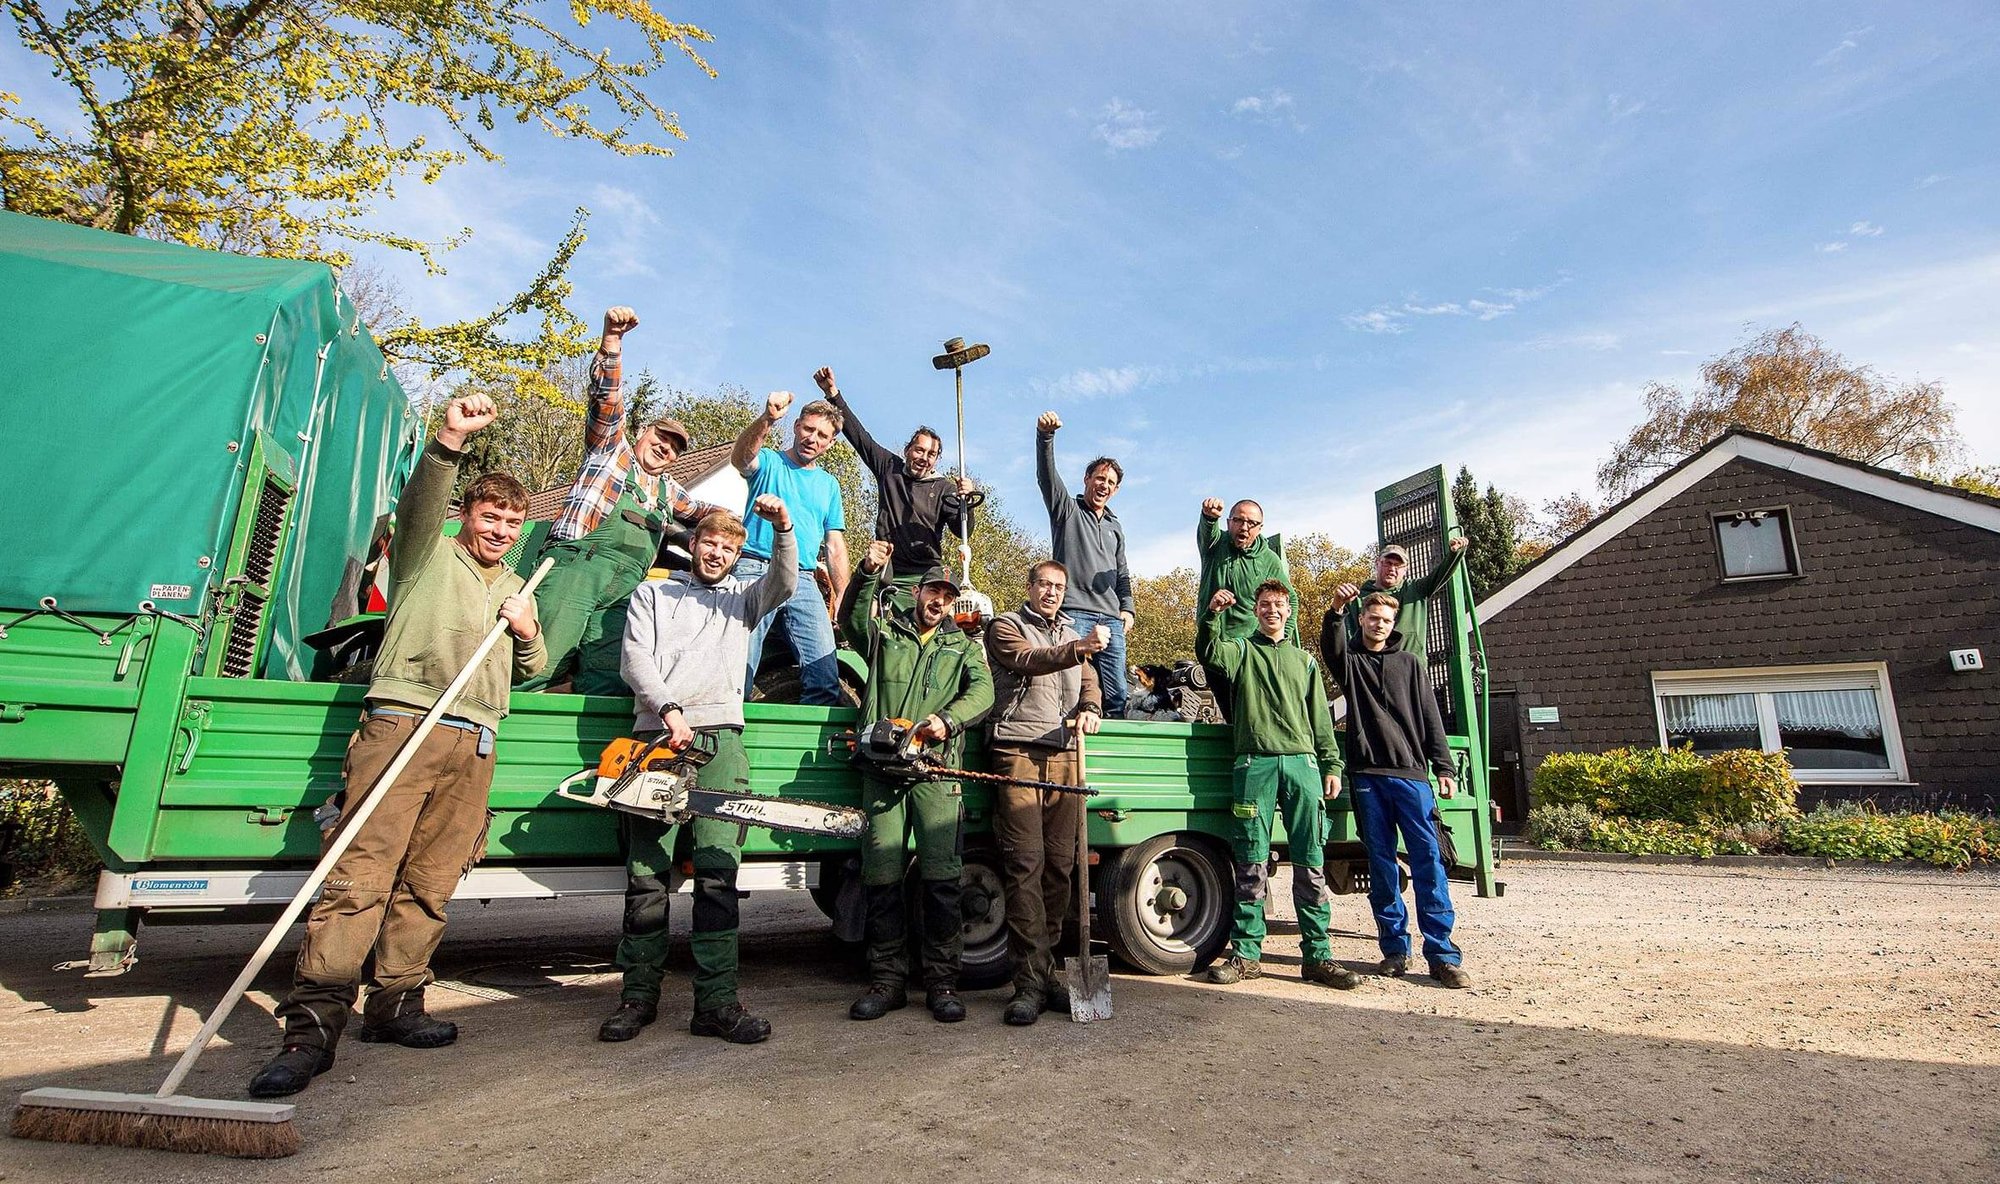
column 139, row 380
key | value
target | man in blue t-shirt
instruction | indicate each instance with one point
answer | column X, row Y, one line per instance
column 812, row 496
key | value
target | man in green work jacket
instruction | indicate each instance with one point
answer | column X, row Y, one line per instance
column 1392, row 566
column 1286, row 760
column 1239, row 559
column 921, row 667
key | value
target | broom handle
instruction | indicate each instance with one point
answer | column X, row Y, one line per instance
column 964, row 536
column 341, row 842
column 1082, row 871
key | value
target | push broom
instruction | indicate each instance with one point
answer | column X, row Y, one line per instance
column 167, row 1120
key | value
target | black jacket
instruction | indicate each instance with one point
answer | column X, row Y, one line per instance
column 910, row 513
column 1394, row 727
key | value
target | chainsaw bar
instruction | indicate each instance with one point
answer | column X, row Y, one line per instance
column 793, row 814
column 668, row 794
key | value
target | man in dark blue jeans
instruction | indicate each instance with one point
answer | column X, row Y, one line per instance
column 1395, row 740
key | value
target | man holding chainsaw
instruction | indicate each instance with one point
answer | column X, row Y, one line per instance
column 1286, row 760
column 382, row 912
column 914, row 502
column 1046, row 700
column 921, row 668
column 686, row 640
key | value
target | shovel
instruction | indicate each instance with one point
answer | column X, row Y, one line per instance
column 1089, row 976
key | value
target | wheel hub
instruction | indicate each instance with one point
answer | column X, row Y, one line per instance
column 1171, row 898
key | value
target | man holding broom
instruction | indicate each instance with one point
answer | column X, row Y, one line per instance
column 384, row 900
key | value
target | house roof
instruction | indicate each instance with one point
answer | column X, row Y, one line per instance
column 689, row 469
column 1959, row 505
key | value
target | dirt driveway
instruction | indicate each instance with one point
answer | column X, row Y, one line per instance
column 1632, row 1024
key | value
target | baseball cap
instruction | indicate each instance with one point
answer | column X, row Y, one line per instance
column 939, row 574
column 673, row 427
column 1393, row 551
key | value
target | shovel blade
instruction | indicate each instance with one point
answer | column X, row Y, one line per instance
column 1089, row 988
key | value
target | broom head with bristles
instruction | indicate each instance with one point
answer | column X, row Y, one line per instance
column 207, row 1126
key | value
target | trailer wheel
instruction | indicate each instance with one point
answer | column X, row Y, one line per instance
column 983, row 900
column 1170, row 903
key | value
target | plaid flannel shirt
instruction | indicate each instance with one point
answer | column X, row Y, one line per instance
column 608, row 462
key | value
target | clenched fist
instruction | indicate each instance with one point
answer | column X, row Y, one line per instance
column 877, row 556
column 618, row 321
column 1211, row 508
column 771, row 508
column 776, row 405
column 1222, row 599
column 1049, row 423
column 824, row 377
column 465, row 416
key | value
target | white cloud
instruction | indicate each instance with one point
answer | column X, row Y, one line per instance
column 1390, row 318
column 1830, row 248
column 1849, row 41
column 1098, row 382
column 1487, row 310
column 1122, row 126
column 1270, row 103
column 1434, row 310
column 1589, row 341
column 1620, row 107
column 1930, row 179
column 1378, row 321
column 1864, row 230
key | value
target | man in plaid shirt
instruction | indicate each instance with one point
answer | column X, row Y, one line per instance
column 619, row 508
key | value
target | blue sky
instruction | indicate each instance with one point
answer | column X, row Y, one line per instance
column 1284, row 251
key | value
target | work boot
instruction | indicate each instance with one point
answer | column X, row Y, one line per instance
column 945, row 1005
column 1057, row 999
column 290, row 1071
column 1024, row 1008
column 1394, row 966
column 1330, row 974
column 632, row 1015
column 881, row 999
column 1235, row 969
column 1450, row 974
column 731, row 1023
column 418, row 1029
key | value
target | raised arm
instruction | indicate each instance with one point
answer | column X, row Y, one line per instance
column 1424, row 589
column 878, row 459
column 426, row 496
column 1054, row 494
column 781, row 577
column 855, row 619
column 604, row 419
column 1226, row 656
column 744, row 455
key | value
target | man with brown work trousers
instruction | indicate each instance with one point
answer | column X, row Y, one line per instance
column 921, row 667
column 1392, row 566
column 383, row 908
column 621, row 505
column 1045, row 698
column 1286, row 760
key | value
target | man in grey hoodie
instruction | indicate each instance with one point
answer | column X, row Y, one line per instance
column 1090, row 541
column 1044, row 701
column 687, row 639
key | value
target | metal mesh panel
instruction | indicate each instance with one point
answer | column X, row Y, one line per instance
column 260, row 563
column 1411, row 516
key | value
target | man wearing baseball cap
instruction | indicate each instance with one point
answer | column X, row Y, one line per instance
column 921, row 667
column 1392, row 566
column 619, row 509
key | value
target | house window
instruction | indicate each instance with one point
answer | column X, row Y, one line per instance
column 1838, row 722
column 1756, row 544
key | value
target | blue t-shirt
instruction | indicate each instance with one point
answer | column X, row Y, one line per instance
column 811, row 495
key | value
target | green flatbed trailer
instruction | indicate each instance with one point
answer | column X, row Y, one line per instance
column 194, row 750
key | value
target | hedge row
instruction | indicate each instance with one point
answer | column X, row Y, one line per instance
column 39, row 837
column 1840, row 830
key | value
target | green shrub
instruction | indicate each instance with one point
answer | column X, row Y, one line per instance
column 1739, row 786
column 1652, row 836
column 1949, row 839
column 46, row 839
column 1560, row 828
column 1844, row 830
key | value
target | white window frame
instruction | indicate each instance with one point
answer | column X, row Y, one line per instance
column 1765, row 681
column 1788, row 533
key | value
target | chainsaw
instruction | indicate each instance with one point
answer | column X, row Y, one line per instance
column 655, row 780
column 891, row 749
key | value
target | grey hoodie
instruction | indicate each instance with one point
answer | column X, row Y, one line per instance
column 687, row 642
column 1091, row 546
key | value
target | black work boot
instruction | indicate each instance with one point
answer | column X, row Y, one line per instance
column 881, row 999
column 417, row 1029
column 1024, row 1008
column 730, row 1022
column 632, row 1015
column 946, row 1007
column 1330, row 974
column 1393, row 966
column 1235, row 969
column 290, row 1071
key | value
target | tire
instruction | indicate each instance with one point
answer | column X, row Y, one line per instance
column 984, row 903
column 1169, row 903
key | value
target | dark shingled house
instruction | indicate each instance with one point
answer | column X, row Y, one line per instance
column 1763, row 594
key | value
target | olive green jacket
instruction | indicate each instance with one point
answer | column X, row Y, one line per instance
column 909, row 678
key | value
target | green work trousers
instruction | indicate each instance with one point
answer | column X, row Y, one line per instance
column 649, row 865
column 1262, row 786
column 382, row 911
column 933, row 811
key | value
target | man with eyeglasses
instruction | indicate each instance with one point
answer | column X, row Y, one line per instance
column 1090, row 542
column 914, row 503
column 1236, row 562
column 620, row 507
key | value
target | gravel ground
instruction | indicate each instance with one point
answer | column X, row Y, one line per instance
column 1635, row 1024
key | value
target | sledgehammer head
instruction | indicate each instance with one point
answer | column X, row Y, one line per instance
column 957, row 353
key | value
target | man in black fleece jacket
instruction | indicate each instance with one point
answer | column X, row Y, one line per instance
column 1395, row 740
